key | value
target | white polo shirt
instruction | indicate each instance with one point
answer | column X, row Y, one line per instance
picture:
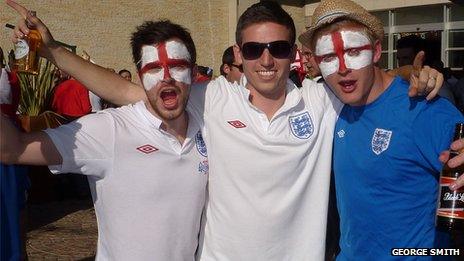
column 269, row 179
column 148, row 189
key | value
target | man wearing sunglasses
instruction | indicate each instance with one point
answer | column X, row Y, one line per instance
column 269, row 144
column 229, row 68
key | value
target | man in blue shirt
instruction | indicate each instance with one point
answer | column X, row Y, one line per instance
column 386, row 144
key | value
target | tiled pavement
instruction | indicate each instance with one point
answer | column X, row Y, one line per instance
column 64, row 230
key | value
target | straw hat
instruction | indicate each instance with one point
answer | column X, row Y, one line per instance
column 330, row 10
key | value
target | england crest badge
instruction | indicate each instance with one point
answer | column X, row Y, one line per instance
column 381, row 140
column 201, row 147
column 301, row 125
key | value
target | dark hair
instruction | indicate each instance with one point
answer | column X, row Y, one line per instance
column 123, row 71
column 151, row 32
column 228, row 56
column 265, row 11
column 411, row 41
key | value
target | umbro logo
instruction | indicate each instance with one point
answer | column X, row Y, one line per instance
column 147, row 149
column 237, row 124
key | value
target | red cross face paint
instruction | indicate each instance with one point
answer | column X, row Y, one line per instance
column 342, row 50
column 166, row 60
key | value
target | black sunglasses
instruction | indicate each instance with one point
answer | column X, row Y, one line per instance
column 278, row 49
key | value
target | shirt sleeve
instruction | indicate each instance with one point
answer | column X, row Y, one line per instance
column 321, row 91
column 433, row 129
column 86, row 145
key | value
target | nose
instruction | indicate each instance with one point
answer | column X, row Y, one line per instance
column 342, row 69
column 266, row 59
column 166, row 75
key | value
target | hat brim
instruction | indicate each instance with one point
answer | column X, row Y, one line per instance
column 371, row 22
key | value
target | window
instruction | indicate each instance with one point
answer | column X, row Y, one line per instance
column 456, row 13
column 441, row 25
column 419, row 15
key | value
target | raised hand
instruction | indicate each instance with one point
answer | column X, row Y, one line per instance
column 29, row 21
column 424, row 79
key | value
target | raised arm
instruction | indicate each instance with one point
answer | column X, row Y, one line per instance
column 100, row 81
column 423, row 80
column 17, row 147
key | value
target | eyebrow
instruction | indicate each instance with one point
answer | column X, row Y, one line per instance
column 170, row 63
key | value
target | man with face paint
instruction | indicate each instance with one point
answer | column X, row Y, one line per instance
column 146, row 162
column 386, row 145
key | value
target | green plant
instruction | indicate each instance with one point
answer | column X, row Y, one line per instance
column 37, row 90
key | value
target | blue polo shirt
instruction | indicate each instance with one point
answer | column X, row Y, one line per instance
column 386, row 173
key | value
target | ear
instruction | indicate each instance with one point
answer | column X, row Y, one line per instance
column 238, row 54
column 226, row 68
column 377, row 51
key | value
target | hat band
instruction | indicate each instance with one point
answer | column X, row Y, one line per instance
column 330, row 15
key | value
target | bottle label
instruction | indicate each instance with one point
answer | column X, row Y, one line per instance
column 451, row 203
column 21, row 49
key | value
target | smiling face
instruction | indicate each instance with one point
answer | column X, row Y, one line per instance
column 346, row 59
column 166, row 73
column 267, row 74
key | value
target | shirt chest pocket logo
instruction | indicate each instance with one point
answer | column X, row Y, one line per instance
column 381, row 140
column 301, row 125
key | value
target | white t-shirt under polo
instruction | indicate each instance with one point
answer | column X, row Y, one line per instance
column 148, row 189
column 269, row 179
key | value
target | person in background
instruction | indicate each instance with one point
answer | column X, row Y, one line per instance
column 297, row 70
column 230, row 69
column 312, row 69
column 204, row 74
column 71, row 99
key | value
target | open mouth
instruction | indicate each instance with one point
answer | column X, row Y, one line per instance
column 348, row 85
column 169, row 98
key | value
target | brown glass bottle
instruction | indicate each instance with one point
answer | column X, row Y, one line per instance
column 450, row 210
column 26, row 56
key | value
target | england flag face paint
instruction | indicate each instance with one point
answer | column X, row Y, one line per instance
column 166, row 60
column 342, row 50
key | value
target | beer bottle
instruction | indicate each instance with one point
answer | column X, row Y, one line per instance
column 26, row 57
column 450, row 210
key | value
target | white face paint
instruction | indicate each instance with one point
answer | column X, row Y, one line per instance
column 341, row 50
column 325, row 46
column 169, row 59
